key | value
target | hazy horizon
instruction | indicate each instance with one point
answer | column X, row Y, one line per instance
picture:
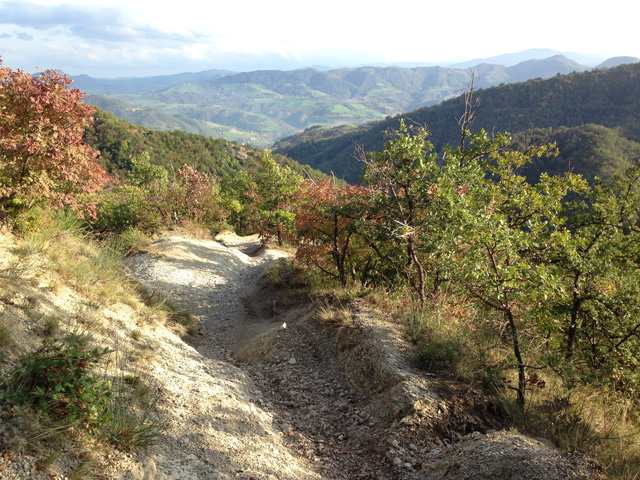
column 120, row 38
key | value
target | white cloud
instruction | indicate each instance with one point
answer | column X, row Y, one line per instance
column 124, row 36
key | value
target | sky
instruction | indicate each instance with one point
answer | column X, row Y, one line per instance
column 116, row 38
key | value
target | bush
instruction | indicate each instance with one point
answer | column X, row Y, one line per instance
column 55, row 382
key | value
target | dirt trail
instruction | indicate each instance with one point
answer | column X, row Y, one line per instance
column 262, row 393
column 288, row 412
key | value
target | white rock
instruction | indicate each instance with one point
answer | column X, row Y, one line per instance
column 145, row 470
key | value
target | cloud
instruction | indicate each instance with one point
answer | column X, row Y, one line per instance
column 86, row 22
column 24, row 36
column 5, row 35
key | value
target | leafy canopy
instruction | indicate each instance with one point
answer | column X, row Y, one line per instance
column 42, row 153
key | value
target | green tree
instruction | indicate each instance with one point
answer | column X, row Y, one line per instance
column 403, row 180
column 597, row 256
column 275, row 186
column 503, row 235
column 144, row 173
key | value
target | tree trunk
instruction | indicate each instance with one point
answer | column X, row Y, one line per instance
column 522, row 379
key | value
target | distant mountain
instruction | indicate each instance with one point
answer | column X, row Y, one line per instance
column 617, row 61
column 606, row 97
column 140, row 85
column 546, row 68
column 511, row 59
column 261, row 107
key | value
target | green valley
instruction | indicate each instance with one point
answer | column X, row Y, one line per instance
column 600, row 106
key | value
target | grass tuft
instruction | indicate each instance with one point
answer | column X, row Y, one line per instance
column 332, row 315
column 132, row 424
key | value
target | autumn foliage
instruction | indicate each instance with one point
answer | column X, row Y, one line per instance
column 42, row 153
column 325, row 223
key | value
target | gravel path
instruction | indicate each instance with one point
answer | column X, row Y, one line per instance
column 292, row 389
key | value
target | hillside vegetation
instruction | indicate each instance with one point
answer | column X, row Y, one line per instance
column 608, row 98
column 119, row 140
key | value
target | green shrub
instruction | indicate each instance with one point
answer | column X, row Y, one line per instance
column 126, row 207
column 55, row 381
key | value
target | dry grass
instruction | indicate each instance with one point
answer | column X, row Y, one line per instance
column 58, row 256
column 601, row 423
column 335, row 315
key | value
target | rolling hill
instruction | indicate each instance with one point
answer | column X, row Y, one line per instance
column 607, row 97
column 261, row 107
column 118, row 140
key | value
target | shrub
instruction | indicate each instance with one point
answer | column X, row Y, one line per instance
column 44, row 157
column 55, row 381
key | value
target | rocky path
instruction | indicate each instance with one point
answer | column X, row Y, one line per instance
column 262, row 392
column 293, row 390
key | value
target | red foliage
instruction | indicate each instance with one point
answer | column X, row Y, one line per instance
column 325, row 224
column 42, row 152
column 190, row 197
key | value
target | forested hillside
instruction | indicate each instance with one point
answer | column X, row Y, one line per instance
column 607, row 97
column 118, row 141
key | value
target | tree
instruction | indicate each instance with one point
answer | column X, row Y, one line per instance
column 403, row 180
column 505, row 230
column 326, row 227
column 275, row 186
column 192, row 196
column 597, row 257
column 42, row 153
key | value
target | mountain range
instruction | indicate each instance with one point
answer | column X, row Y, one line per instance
column 593, row 116
column 261, row 107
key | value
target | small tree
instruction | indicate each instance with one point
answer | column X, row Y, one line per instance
column 42, row 153
column 597, row 257
column 399, row 224
column 326, row 227
column 275, row 186
column 192, row 196
column 504, row 236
